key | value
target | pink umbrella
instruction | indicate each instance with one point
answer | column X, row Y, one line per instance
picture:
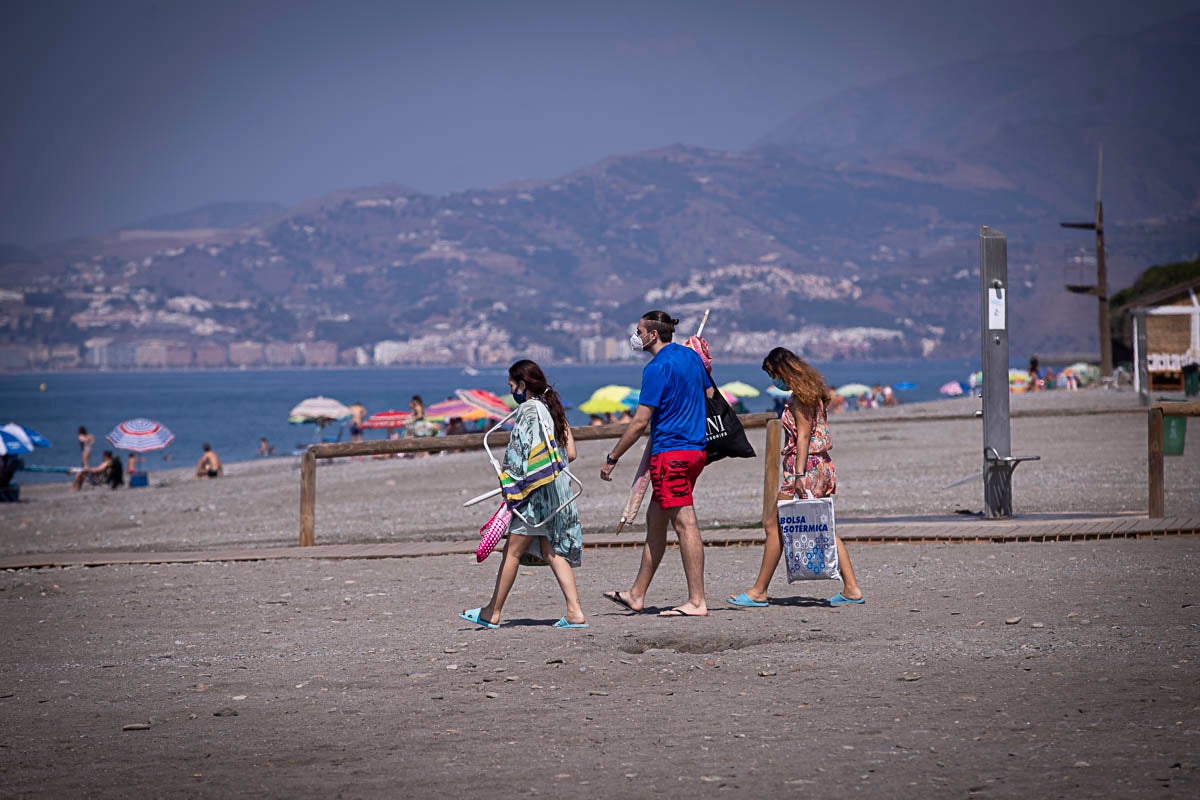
column 484, row 401
column 952, row 389
column 453, row 408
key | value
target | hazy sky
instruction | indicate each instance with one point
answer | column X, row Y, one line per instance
column 116, row 111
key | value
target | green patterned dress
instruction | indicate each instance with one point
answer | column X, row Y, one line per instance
column 563, row 530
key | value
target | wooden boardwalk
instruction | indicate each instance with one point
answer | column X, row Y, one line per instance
column 904, row 530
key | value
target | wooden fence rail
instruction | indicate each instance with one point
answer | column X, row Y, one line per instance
column 469, row 441
column 1156, row 486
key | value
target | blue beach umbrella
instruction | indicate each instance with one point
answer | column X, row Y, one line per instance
column 28, row 436
column 904, row 386
column 11, row 445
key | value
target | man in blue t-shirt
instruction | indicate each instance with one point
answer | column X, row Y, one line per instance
column 672, row 404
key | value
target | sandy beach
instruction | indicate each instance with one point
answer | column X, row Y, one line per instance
column 1015, row 670
column 892, row 463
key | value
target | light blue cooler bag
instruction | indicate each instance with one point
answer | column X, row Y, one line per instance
column 809, row 540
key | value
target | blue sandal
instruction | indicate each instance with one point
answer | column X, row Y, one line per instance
column 472, row 615
column 562, row 623
column 744, row 600
column 838, row 600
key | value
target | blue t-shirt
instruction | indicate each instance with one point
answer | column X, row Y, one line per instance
column 673, row 384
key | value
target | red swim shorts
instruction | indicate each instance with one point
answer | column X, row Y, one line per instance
column 673, row 475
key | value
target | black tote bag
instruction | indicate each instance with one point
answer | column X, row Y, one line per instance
column 726, row 437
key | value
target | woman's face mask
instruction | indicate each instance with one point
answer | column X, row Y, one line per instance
column 519, row 392
column 780, row 385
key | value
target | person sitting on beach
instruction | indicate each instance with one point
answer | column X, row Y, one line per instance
column 538, row 493
column 108, row 471
column 209, row 465
column 806, row 423
column 455, row 427
column 9, row 464
column 264, row 447
column 595, row 419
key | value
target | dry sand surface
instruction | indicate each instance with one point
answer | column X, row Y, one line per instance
column 988, row 670
column 891, row 463
column 356, row 679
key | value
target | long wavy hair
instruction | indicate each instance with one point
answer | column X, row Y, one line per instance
column 807, row 384
column 536, row 385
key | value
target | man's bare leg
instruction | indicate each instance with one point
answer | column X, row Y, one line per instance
column 691, row 550
column 652, row 553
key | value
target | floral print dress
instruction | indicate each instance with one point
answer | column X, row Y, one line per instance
column 819, row 476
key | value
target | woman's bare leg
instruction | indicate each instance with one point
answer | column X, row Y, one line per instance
column 506, row 576
column 566, row 581
column 850, row 590
column 772, row 552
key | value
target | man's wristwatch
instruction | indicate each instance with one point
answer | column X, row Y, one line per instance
column 612, row 462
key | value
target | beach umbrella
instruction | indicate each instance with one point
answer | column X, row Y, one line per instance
column 852, row 390
column 439, row 412
column 140, row 435
column 611, row 399
column 490, row 404
column 952, row 389
column 388, row 419
column 320, row 410
column 11, row 445
column 775, row 391
column 739, row 389
column 1018, row 380
column 1084, row 372
column 28, row 436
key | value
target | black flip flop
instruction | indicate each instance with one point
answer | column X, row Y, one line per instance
column 615, row 596
column 678, row 612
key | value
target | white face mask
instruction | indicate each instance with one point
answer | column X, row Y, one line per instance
column 636, row 343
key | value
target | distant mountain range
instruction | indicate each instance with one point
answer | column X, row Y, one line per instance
column 849, row 231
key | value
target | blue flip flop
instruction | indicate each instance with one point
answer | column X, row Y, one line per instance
column 562, row 623
column 838, row 600
column 472, row 615
column 744, row 600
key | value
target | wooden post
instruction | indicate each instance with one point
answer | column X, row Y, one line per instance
column 308, row 496
column 1154, row 439
column 771, row 467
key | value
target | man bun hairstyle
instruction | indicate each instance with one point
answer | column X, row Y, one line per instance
column 661, row 323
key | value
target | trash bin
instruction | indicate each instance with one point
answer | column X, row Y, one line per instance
column 1174, row 432
column 139, row 479
column 1191, row 379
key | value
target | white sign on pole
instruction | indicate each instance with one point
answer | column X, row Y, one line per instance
column 996, row 310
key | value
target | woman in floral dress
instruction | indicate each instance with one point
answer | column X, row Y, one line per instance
column 805, row 419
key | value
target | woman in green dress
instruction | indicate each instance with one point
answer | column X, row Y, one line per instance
column 536, row 487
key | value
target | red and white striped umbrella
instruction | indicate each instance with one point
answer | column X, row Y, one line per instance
column 388, row 419
column 140, row 435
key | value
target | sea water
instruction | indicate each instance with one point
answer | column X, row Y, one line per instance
column 232, row 409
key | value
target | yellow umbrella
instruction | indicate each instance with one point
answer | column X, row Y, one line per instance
column 611, row 399
column 602, row 406
column 739, row 389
